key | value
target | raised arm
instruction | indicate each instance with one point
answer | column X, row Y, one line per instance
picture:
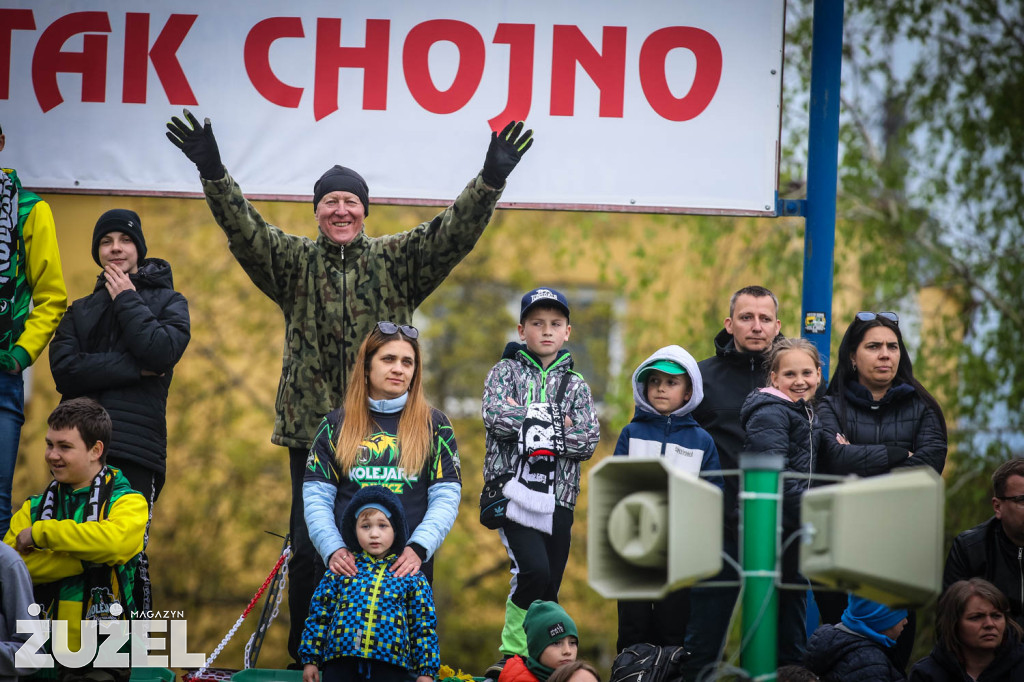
column 267, row 254
column 431, row 250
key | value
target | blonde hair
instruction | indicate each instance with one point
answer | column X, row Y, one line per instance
column 414, row 426
column 783, row 346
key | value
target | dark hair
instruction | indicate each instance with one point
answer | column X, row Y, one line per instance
column 845, row 373
column 951, row 608
column 86, row 415
column 795, row 673
column 1013, row 467
column 564, row 672
column 756, row 292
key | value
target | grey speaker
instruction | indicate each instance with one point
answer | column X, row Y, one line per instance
column 879, row 537
column 651, row 528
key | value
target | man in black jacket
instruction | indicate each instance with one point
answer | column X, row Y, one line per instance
column 119, row 346
column 736, row 369
column 994, row 550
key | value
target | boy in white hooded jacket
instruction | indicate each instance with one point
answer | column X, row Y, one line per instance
column 667, row 388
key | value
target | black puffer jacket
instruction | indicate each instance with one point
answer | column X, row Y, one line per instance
column 101, row 347
column 941, row 665
column 986, row 552
column 775, row 424
column 900, row 423
column 837, row 655
column 729, row 377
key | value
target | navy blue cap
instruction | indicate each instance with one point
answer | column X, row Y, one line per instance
column 543, row 295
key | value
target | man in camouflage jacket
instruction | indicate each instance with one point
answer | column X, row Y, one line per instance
column 332, row 291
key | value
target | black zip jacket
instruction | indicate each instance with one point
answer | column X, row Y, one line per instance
column 101, row 347
column 837, row 655
column 986, row 552
column 898, row 424
column 729, row 377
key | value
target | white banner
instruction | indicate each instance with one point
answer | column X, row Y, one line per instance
column 658, row 105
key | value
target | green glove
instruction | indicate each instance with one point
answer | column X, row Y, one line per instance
column 506, row 148
column 8, row 363
column 198, row 144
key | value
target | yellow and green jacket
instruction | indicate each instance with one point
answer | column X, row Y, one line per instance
column 68, row 547
column 30, row 271
column 373, row 615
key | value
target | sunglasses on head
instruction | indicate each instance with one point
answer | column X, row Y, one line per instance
column 389, row 328
column 867, row 316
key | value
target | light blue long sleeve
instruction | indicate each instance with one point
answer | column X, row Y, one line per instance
column 442, row 507
column 318, row 509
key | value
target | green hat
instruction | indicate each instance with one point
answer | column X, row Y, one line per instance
column 666, row 366
column 546, row 623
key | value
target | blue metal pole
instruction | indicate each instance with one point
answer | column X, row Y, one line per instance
column 822, row 172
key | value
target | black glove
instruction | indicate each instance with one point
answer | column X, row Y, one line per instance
column 507, row 147
column 198, row 145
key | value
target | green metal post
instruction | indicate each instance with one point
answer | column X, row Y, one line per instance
column 759, row 535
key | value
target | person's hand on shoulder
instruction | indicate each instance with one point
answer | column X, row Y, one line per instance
column 197, row 143
column 407, row 563
column 342, row 562
column 504, row 152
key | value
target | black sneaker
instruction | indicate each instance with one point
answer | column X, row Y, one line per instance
column 494, row 671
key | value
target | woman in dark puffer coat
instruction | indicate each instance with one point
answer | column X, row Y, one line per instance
column 858, row 648
column 875, row 402
column 977, row 641
column 874, row 399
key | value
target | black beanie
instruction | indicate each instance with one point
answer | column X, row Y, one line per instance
column 119, row 220
column 341, row 179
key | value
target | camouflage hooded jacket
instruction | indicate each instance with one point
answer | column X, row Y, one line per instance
column 332, row 295
column 520, row 377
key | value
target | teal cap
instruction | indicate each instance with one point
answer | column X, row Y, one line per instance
column 666, row 366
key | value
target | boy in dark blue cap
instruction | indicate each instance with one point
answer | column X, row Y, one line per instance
column 541, row 423
column 372, row 625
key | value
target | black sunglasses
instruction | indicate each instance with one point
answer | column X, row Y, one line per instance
column 390, row 328
column 1016, row 499
column 867, row 316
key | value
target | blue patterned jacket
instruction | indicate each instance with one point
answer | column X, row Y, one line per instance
column 373, row 615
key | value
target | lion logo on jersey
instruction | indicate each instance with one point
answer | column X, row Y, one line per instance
column 378, row 445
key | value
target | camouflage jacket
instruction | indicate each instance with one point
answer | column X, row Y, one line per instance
column 332, row 295
column 520, row 377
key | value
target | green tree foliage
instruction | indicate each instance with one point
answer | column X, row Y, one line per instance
column 932, row 162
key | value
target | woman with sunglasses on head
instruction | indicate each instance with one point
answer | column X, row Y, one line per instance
column 976, row 640
column 386, row 434
column 874, row 400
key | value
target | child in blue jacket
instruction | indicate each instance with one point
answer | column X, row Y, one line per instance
column 667, row 388
column 373, row 625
